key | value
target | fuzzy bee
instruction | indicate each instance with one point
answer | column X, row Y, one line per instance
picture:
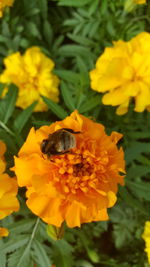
column 59, row 142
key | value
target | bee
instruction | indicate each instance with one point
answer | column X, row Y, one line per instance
column 59, row 142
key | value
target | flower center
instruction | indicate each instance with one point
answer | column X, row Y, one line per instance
column 80, row 171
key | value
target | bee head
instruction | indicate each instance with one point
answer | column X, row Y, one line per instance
column 44, row 145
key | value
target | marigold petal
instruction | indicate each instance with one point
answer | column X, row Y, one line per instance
column 48, row 208
column 143, row 98
column 123, row 108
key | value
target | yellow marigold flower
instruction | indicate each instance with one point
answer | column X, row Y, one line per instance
column 146, row 237
column 76, row 187
column 8, row 190
column 124, row 71
column 32, row 74
column 3, row 4
column 3, row 232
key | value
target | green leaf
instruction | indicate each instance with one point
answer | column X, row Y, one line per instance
column 15, row 257
column 43, row 8
column 3, row 262
column 14, row 244
column 48, row 32
column 140, row 189
column 135, row 151
column 7, row 104
column 122, row 235
column 57, row 109
column 23, row 117
column 68, row 98
column 9, row 140
column 76, row 3
column 74, row 50
column 68, row 75
column 62, row 253
column 138, row 171
column 40, row 254
column 90, row 104
column 131, row 200
column 21, row 226
column 80, row 39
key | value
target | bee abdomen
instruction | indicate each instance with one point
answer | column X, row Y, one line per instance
column 67, row 141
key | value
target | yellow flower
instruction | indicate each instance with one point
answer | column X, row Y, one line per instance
column 3, row 4
column 76, row 187
column 124, row 71
column 140, row 2
column 32, row 74
column 130, row 4
column 3, row 232
column 8, row 191
column 146, row 237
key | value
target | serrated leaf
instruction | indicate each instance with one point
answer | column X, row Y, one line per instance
column 15, row 256
column 140, row 189
column 90, row 104
column 14, row 244
column 80, row 39
column 22, row 226
column 135, row 151
column 23, row 117
column 138, row 171
column 68, row 99
column 42, row 258
column 58, row 110
column 129, row 199
column 122, row 235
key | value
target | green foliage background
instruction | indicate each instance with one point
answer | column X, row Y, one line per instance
column 74, row 33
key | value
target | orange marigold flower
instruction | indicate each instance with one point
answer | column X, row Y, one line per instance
column 75, row 187
column 8, row 188
column 3, row 232
column 124, row 71
column 3, row 4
